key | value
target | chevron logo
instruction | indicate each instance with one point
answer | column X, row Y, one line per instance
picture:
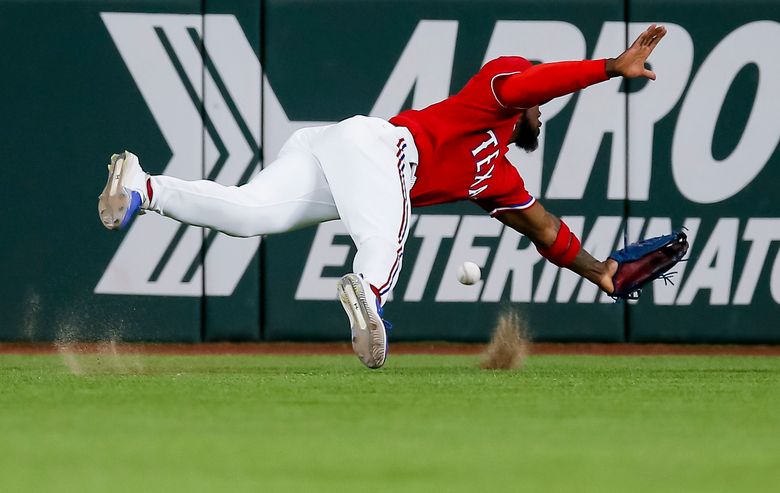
column 204, row 86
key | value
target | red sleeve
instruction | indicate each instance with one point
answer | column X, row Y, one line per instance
column 541, row 83
column 479, row 92
column 506, row 190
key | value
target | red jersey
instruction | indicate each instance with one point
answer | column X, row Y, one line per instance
column 463, row 140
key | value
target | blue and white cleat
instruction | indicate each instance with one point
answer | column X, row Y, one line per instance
column 125, row 193
column 369, row 337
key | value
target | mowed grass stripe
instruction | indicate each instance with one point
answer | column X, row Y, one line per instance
column 423, row 423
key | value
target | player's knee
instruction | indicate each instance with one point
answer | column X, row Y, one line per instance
column 379, row 243
column 244, row 229
column 240, row 232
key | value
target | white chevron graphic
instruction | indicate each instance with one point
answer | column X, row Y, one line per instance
column 148, row 44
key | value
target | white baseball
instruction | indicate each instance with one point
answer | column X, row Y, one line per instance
column 469, row 273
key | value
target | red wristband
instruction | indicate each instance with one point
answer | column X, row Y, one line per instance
column 564, row 249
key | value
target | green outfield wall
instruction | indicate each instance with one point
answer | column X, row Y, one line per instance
column 212, row 88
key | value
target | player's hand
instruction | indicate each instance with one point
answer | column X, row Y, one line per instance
column 631, row 63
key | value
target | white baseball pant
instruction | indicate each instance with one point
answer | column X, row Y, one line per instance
column 357, row 170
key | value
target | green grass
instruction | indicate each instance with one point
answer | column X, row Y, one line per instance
column 424, row 423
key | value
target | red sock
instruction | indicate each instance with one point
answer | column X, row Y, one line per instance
column 149, row 191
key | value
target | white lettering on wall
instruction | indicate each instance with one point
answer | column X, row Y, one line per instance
column 600, row 110
column 425, row 66
column 323, row 253
column 432, row 229
column 563, row 41
column 714, row 266
column 671, row 61
column 698, row 175
column 761, row 232
column 463, row 249
column 515, row 263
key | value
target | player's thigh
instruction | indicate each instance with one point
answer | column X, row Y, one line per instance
column 295, row 185
column 365, row 165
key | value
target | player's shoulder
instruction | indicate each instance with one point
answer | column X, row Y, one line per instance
column 479, row 91
column 505, row 65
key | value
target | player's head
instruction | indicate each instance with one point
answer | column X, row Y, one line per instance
column 526, row 132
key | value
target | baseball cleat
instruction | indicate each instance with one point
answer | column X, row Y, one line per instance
column 125, row 192
column 369, row 338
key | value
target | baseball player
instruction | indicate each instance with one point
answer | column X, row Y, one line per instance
column 370, row 172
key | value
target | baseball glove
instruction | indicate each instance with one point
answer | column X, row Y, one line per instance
column 644, row 261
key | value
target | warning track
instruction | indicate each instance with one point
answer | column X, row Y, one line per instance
column 306, row 348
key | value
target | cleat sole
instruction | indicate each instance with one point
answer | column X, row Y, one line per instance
column 114, row 200
column 369, row 338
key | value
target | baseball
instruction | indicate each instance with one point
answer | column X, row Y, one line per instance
column 469, row 273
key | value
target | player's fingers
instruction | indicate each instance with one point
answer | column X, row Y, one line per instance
column 657, row 33
column 647, row 36
column 649, row 74
column 658, row 37
column 640, row 40
column 646, row 40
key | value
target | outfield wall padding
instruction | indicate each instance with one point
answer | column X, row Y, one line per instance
column 211, row 89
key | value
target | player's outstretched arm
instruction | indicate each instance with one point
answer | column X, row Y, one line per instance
column 541, row 83
column 556, row 243
column 631, row 63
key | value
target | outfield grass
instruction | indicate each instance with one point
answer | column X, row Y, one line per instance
column 424, row 423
